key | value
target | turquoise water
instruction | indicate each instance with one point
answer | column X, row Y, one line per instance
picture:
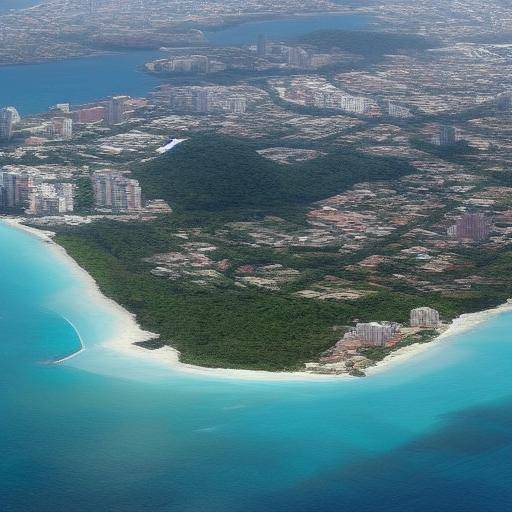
column 283, row 29
column 107, row 433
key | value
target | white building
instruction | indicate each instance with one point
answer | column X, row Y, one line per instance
column 376, row 333
column 62, row 127
column 424, row 317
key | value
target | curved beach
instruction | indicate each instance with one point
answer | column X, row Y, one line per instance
column 128, row 332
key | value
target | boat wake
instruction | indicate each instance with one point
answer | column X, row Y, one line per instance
column 74, row 354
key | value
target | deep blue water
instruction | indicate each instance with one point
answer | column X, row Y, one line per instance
column 282, row 29
column 35, row 87
column 108, row 433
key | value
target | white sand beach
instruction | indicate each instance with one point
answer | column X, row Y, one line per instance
column 129, row 332
column 459, row 325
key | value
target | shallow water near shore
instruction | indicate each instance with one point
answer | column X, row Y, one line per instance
column 108, row 432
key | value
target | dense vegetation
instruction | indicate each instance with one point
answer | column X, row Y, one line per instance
column 227, row 326
column 84, row 194
column 453, row 152
column 223, row 325
column 214, row 173
column 369, row 44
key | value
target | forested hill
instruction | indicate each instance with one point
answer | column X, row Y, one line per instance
column 215, row 173
column 365, row 42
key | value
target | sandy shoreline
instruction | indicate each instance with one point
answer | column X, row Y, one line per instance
column 129, row 332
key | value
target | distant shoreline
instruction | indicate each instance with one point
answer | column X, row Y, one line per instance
column 129, row 332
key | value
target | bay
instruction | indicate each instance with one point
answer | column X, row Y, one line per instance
column 35, row 87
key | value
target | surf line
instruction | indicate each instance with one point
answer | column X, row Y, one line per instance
column 74, row 354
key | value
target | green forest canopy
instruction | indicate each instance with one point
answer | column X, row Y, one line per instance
column 214, row 173
column 365, row 42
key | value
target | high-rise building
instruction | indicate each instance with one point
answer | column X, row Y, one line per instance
column 3, row 198
column 376, row 333
column 504, row 101
column 424, row 317
column 238, row 105
column 63, row 127
column 89, row 115
column 63, row 108
column 201, row 100
column 50, row 199
column 116, row 110
column 17, row 187
column 395, row 110
column 472, row 226
column 113, row 190
column 447, row 136
column 16, row 118
column 261, row 46
column 298, row 57
column 6, row 123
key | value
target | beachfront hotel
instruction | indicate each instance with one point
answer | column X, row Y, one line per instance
column 424, row 317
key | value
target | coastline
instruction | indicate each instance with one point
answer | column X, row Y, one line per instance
column 129, row 332
column 463, row 323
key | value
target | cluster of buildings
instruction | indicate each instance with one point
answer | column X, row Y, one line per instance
column 206, row 100
column 349, row 354
column 193, row 64
column 60, row 126
column 446, row 136
column 60, row 121
column 331, row 99
column 398, row 111
column 380, row 334
column 114, row 111
column 374, row 333
column 293, row 56
column 50, row 199
column 20, row 191
column 116, row 192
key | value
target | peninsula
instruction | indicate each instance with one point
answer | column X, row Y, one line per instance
column 272, row 202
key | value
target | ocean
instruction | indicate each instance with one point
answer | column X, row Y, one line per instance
column 113, row 433
column 106, row 432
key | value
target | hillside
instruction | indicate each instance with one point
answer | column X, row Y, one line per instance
column 365, row 42
column 218, row 173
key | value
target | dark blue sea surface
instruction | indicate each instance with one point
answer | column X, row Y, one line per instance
column 285, row 28
column 107, row 432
